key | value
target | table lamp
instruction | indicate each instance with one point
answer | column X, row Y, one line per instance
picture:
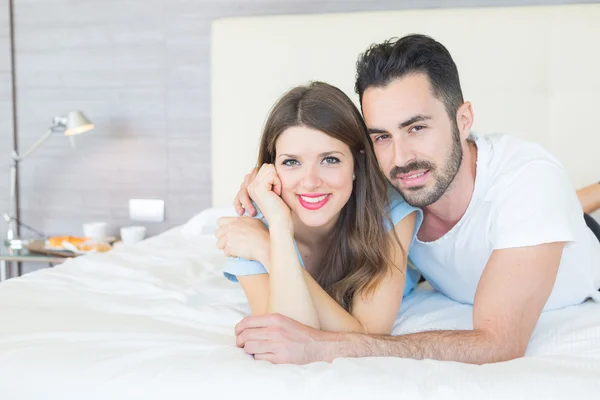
column 74, row 123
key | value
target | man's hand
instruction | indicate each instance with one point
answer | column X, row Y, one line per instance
column 282, row 340
column 242, row 200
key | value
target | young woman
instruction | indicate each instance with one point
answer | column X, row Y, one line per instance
column 329, row 244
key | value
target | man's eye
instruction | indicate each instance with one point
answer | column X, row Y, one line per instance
column 417, row 128
column 382, row 137
column 290, row 163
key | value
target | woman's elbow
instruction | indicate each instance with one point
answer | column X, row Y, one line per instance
column 374, row 329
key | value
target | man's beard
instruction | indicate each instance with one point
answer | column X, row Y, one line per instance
column 418, row 196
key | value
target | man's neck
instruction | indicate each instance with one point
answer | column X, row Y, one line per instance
column 440, row 217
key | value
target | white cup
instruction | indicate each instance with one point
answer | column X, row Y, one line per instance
column 132, row 234
column 95, row 231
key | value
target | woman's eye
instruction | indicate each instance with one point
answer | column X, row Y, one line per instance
column 290, row 163
column 331, row 160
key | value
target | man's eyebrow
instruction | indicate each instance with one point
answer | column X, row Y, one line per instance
column 412, row 120
column 376, row 130
column 402, row 125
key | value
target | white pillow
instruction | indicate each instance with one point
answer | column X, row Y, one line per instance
column 205, row 223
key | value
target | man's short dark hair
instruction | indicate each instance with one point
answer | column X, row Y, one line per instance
column 396, row 58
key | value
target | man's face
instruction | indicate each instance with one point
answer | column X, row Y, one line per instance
column 417, row 145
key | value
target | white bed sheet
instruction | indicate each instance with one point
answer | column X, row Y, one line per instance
column 155, row 321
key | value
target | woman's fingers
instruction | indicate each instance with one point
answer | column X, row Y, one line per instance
column 267, row 179
column 222, row 242
column 277, row 185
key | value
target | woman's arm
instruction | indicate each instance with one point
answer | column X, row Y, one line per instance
column 283, row 290
column 288, row 291
column 375, row 314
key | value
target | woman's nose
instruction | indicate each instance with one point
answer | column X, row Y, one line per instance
column 311, row 179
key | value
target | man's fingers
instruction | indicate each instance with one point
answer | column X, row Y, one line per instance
column 253, row 334
column 244, row 198
column 246, row 202
column 259, row 347
column 237, row 205
column 270, row 357
column 259, row 321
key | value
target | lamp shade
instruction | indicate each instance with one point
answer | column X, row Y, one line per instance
column 77, row 123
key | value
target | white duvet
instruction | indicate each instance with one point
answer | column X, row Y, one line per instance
column 155, row 321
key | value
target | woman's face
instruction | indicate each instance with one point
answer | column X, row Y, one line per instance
column 316, row 174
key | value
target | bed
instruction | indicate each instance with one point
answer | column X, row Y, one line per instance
column 155, row 320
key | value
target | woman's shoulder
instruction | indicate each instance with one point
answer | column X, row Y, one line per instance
column 399, row 208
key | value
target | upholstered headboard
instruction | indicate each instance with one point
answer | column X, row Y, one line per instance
column 530, row 71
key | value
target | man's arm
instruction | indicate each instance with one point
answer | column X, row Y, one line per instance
column 510, row 297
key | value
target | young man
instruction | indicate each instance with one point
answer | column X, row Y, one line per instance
column 502, row 229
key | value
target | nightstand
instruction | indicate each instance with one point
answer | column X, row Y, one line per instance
column 10, row 259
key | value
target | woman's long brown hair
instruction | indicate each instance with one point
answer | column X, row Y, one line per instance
column 358, row 255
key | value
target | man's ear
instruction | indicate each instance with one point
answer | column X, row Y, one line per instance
column 464, row 119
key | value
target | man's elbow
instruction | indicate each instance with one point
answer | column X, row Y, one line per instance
column 507, row 355
column 505, row 350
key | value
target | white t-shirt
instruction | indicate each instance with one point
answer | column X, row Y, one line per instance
column 522, row 197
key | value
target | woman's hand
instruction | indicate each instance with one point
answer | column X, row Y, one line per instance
column 265, row 190
column 244, row 237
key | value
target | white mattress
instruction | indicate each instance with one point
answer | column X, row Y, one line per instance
column 155, row 321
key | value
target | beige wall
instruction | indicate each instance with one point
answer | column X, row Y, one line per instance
column 140, row 70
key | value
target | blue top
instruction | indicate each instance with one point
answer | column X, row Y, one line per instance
column 399, row 209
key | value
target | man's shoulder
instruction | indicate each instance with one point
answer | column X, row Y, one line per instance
column 508, row 156
column 513, row 149
column 520, row 169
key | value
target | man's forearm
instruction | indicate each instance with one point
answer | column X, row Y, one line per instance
column 474, row 347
